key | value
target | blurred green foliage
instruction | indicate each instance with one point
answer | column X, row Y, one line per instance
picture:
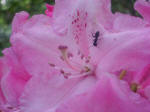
column 8, row 8
column 124, row 6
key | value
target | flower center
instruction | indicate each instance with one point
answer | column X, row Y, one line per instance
column 78, row 64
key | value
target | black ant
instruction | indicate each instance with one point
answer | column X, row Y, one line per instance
column 95, row 36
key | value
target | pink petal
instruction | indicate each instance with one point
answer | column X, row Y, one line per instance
column 104, row 13
column 19, row 20
column 109, row 39
column 147, row 92
column 98, row 11
column 60, row 16
column 109, row 95
column 143, row 8
column 46, row 92
column 131, row 55
column 124, row 22
column 2, row 99
column 16, row 76
column 39, row 45
column 3, row 71
column 82, row 19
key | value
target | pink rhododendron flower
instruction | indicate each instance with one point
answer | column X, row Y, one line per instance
column 79, row 57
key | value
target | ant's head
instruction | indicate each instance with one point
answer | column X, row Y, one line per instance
column 97, row 34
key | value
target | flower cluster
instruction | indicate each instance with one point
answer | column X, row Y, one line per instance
column 79, row 57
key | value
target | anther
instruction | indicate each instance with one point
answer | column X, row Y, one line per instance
column 52, row 65
column 62, row 71
column 10, row 108
column 134, row 87
column 63, row 50
column 62, row 47
column 87, row 69
column 66, row 75
column 122, row 74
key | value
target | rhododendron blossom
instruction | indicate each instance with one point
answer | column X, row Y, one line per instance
column 79, row 57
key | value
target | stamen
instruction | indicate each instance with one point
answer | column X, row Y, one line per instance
column 122, row 74
column 68, row 75
column 134, row 87
column 79, row 70
column 77, row 76
column 63, row 50
column 62, row 71
column 57, row 68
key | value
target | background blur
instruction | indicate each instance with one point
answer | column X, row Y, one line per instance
column 8, row 8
